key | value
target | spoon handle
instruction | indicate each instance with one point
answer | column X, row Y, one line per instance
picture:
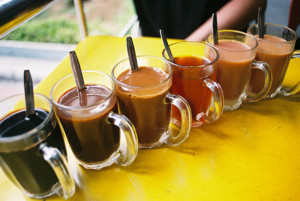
column 28, row 89
column 165, row 42
column 131, row 54
column 260, row 22
column 76, row 71
column 215, row 28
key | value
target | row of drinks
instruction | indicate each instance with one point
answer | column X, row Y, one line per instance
column 110, row 117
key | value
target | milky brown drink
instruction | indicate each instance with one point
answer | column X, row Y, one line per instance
column 91, row 138
column 145, row 106
column 233, row 71
column 277, row 54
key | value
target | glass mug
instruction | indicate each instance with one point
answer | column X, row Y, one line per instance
column 144, row 97
column 276, row 48
column 32, row 150
column 194, row 79
column 237, row 53
column 97, row 134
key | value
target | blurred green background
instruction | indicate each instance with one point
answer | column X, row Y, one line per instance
column 59, row 23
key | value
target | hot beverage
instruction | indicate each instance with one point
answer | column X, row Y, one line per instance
column 144, row 97
column 233, row 71
column 237, row 52
column 277, row 57
column 194, row 78
column 91, row 121
column 147, row 111
column 22, row 162
column 91, row 138
column 32, row 150
column 28, row 166
column 275, row 48
column 189, row 82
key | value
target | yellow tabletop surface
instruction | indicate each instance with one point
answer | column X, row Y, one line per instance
column 252, row 153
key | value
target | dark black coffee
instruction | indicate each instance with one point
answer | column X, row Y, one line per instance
column 27, row 165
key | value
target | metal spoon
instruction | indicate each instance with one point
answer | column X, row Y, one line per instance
column 28, row 89
column 131, row 54
column 165, row 42
column 76, row 71
column 215, row 28
column 260, row 22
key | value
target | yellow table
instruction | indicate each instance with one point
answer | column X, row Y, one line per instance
column 249, row 154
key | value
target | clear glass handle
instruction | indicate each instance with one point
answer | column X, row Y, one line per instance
column 128, row 139
column 216, row 108
column 59, row 165
column 294, row 90
column 186, row 120
column 265, row 68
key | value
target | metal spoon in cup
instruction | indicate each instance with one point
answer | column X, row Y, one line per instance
column 215, row 28
column 29, row 98
column 165, row 42
column 260, row 23
column 77, row 73
column 131, row 55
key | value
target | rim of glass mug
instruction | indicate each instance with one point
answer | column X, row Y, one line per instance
column 164, row 54
column 142, row 87
column 33, row 136
column 293, row 39
column 71, row 76
column 209, row 39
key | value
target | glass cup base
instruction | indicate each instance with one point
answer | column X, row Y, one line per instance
column 56, row 189
column 231, row 105
column 268, row 96
column 99, row 165
column 155, row 144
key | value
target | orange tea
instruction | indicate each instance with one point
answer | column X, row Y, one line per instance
column 188, row 81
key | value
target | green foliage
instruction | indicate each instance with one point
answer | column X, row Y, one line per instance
column 54, row 31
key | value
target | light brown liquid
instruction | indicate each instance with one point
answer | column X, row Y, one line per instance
column 233, row 71
column 91, row 138
column 277, row 55
column 146, row 107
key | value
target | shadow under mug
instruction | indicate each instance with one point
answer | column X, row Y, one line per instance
column 276, row 48
column 237, row 53
column 149, row 107
column 32, row 150
column 194, row 78
column 97, row 134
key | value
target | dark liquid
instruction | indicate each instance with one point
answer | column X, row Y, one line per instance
column 28, row 166
column 149, row 113
column 91, row 137
column 189, row 83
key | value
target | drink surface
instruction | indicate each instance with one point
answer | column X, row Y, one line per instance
column 93, row 94
column 18, row 123
column 232, row 45
column 190, row 61
column 145, row 76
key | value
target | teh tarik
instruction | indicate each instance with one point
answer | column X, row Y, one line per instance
column 277, row 54
column 91, row 138
column 145, row 105
column 233, row 71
